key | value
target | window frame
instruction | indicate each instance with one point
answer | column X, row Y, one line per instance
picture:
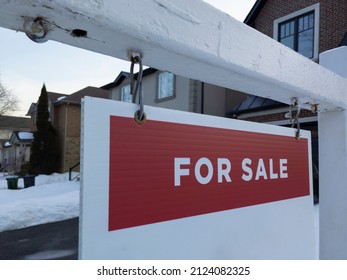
column 160, row 99
column 313, row 8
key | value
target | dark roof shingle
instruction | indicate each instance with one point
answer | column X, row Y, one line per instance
column 252, row 15
column 76, row 97
column 14, row 122
column 253, row 104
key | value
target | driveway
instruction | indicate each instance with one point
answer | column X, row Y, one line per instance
column 53, row 241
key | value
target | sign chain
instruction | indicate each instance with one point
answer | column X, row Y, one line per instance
column 136, row 88
column 295, row 120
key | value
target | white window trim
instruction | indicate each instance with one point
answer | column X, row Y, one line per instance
column 160, row 99
column 316, row 9
column 121, row 93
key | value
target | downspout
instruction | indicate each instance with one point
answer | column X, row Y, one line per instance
column 65, row 137
column 15, row 157
column 202, row 96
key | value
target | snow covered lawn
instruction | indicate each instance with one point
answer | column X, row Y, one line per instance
column 53, row 198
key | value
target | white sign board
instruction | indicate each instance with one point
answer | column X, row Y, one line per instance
column 191, row 186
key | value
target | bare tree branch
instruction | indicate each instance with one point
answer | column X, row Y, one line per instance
column 8, row 101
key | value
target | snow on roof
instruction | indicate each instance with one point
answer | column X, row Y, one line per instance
column 7, row 144
column 60, row 98
column 25, row 135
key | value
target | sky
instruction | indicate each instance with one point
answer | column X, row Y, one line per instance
column 25, row 65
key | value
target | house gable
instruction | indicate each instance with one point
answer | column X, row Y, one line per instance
column 21, row 137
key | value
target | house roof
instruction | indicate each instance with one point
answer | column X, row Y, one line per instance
column 5, row 143
column 252, row 15
column 253, row 104
column 52, row 97
column 14, row 122
column 343, row 41
column 21, row 137
column 122, row 75
column 76, row 97
column 32, row 109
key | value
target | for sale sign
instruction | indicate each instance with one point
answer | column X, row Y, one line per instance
column 189, row 186
column 162, row 171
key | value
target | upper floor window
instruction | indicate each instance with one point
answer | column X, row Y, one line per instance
column 166, row 85
column 299, row 31
column 125, row 94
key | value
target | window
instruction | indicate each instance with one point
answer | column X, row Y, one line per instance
column 125, row 94
column 299, row 31
column 298, row 34
column 166, row 85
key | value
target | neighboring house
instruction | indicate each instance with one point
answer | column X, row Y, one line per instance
column 309, row 27
column 67, row 121
column 8, row 127
column 65, row 114
column 52, row 98
column 16, row 151
column 166, row 90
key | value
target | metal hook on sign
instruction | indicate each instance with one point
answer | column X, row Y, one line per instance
column 295, row 120
column 140, row 116
column 136, row 88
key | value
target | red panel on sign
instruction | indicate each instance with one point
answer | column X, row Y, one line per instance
column 161, row 171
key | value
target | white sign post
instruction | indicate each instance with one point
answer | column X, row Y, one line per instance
column 190, row 186
column 332, row 169
column 172, row 36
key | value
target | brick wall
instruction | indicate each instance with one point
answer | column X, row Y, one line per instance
column 333, row 19
column 59, row 125
column 73, row 134
column 68, row 125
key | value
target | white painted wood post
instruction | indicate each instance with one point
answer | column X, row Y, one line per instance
column 333, row 169
column 192, row 39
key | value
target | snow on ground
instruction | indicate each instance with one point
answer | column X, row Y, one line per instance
column 54, row 198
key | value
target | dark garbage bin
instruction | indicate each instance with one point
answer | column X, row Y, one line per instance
column 12, row 183
column 29, row 181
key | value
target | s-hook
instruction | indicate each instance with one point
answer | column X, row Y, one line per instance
column 295, row 120
column 136, row 88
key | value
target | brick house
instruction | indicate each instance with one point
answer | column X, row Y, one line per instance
column 309, row 27
column 9, row 144
column 65, row 114
column 327, row 26
column 52, row 98
column 16, row 151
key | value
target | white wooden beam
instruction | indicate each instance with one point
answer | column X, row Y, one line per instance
column 189, row 38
